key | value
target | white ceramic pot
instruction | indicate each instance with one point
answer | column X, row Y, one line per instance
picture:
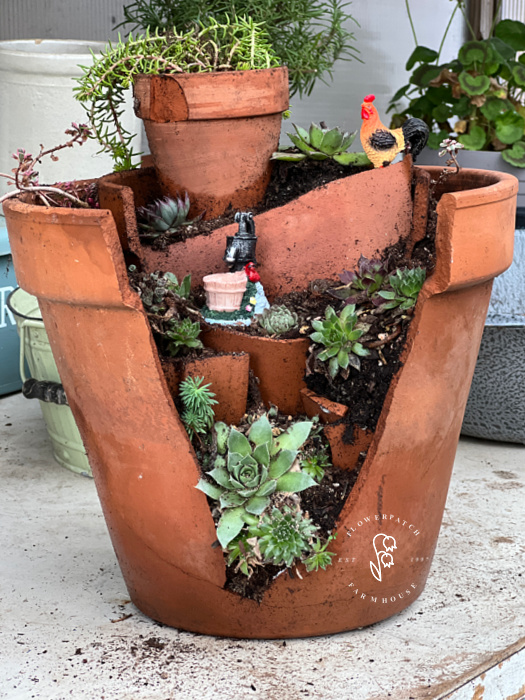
column 37, row 105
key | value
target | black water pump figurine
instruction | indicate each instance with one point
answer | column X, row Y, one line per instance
column 240, row 249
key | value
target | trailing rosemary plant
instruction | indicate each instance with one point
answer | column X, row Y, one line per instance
column 232, row 44
column 309, row 36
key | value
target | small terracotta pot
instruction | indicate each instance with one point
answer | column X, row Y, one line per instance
column 144, row 466
column 224, row 291
column 212, row 134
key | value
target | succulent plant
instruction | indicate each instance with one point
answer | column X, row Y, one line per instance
column 165, row 216
column 154, row 287
column 283, row 536
column 198, row 402
column 183, row 334
column 405, row 286
column 339, row 336
column 315, row 464
column 320, row 558
column 278, row 319
column 320, row 143
column 256, row 467
column 362, row 284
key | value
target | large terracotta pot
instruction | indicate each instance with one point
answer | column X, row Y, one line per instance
column 145, row 468
column 212, row 134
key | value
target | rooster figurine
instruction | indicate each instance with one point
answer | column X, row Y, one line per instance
column 382, row 145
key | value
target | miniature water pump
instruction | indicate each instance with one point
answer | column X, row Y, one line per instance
column 240, row 249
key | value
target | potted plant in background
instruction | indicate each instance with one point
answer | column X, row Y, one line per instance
column 477, row 98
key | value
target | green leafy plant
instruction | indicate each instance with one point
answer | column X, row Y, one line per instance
column 198, row 401
column 339, row 335
column 315, row 463
column 232, row 44
column 241, row 553
column 405, row 286
column 256, row 467
column 362, row 284
column 183, row 336
column 165, row 217
column 277, row 320
column 320, row 557
column 309, row 36
column 478, row 97
column 283, row 536
column 156, row 288
column 321, row 143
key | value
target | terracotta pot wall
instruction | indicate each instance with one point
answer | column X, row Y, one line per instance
column 144, row 466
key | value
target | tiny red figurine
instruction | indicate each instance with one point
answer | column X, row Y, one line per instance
column 252, row 273
column 382, row 145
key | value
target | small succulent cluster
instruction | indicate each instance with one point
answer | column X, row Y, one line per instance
column 315, row 463
column 277, row 320
column 363, row 283
column 283, row 536
column 254, row 468
column 321, row 143
column 164, row 217
column 183, row 335
column 198, row 401
column 339, row 335
column 403, row 288
column 156, row 288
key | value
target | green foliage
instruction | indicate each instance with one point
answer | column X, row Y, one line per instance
column 284, row 535
column 339, row 336
column 320, row 143
column 315, row 463
column 164, row 217
column 308, row 35
column 232, row 44
column 183, row 336
column 256, row 467
column 361, row 284
column 476, row 98
column 156, row 288
column 239, row 550
column 405, row 286
column 198, row 402
column 277, row 320
column 320, row 557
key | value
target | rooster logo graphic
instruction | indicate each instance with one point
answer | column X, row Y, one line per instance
column 383, row 556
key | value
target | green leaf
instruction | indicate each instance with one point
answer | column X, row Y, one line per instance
column 502, row 50
column 257, row 504
column 509, row 127
column 421, row 54
column 317, row 337
column 333, row 367
column 303, row 134
column 301, row 145
column 512, row 33
column 315, row 135
column 289, row 157
column 262, row 454
column 230, row 524
column 348, row 140
column 295, row 436
column 332, row 141
column 293, row 482
column 516, row 155
column 347, row 312
column 518, row 73
column 282, row 463
column 356, row 159
column 476, row 52
column 237, row 442
column 475, row 139
column 261, row 431
column 209, row 489
column 231, row 499
column 358, row 349
column 400, row 93
column 474, row 84
column 423, row 75
column 343, row 359
column 493, row 107
column 435, row 139
column 221, row 476
column 441, row 113
column 267, row 488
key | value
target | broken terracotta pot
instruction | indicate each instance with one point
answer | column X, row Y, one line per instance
column 143, row 463
column 212, row 134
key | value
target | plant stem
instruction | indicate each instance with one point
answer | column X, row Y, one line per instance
column 45, row 188
column 446, row 32
column 469, row 26
column 407, row 5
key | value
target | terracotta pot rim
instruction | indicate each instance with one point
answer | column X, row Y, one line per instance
column 211, row 73
column 230, row 330
column 491, row 185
